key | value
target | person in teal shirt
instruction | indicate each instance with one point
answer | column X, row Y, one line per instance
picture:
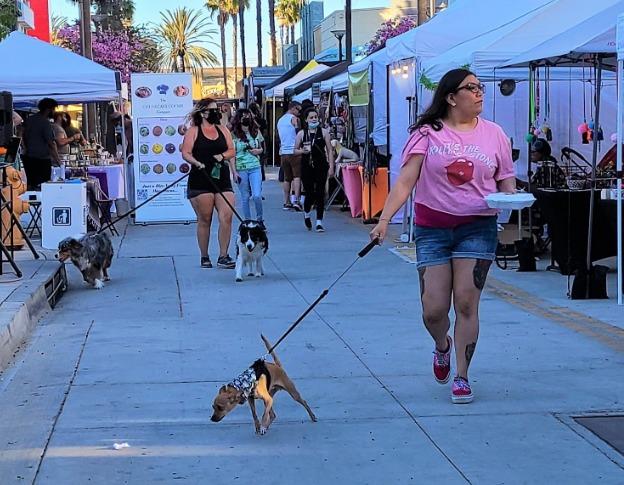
column 248, row 144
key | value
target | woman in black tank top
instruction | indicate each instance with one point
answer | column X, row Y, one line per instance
column 209, row 149
column 317, row 163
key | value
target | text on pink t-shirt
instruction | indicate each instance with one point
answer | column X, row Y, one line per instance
column 460, row 168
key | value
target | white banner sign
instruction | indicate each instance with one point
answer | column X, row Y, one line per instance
column 160, row 104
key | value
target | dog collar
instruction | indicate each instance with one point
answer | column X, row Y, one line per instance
column 245, row 383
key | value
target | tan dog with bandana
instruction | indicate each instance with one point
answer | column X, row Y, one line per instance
column 260, row 381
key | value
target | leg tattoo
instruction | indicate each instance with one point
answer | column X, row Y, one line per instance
column 421, row 277
column 470, row 349
column 479, row 273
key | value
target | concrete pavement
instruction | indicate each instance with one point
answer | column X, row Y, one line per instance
column 141, row 360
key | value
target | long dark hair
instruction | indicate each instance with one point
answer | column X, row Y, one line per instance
column 439, row 107
column 196, row 114
column 237, row 127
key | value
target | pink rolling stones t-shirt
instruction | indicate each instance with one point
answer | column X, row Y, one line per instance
column 460, row 167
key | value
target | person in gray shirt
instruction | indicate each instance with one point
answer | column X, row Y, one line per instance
column 40, row 149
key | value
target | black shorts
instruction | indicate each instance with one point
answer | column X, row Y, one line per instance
column 192, row 193
column 38, row 171
column 200, row 183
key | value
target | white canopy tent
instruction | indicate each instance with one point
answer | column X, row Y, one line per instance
column 278, row 91
column 592, row 41
column 376, row 65
column 487, row 52
column 307, row 94
column 36, row 69
column 338, row 83
column 462, row 21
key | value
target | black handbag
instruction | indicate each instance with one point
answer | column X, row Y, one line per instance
column 590, row 284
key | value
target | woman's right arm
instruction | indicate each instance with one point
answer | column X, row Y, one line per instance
column 187, row 147
column 298, row 142
column 399, row 193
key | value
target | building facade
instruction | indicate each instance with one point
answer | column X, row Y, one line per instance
column 41, row 27
column 312, row 15
column 25, row 16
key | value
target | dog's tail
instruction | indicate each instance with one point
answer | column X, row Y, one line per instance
column 268, row 346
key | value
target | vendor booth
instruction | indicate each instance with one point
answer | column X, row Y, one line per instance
column 40, row 70
column 593, row 43
column 277, row 92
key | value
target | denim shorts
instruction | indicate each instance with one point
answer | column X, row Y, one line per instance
column 474, row 240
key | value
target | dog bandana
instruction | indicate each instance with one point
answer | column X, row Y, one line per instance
column 245, row 383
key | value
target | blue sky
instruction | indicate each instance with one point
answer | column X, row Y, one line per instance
column 149, row 11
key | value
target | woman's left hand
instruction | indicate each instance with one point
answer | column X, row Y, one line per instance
column 236, row 176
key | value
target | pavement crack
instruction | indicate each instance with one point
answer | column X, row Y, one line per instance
column 62, row 406
column 175, row 273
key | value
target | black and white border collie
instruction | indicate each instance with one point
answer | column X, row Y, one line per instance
column 251, row 245
column 91, row 254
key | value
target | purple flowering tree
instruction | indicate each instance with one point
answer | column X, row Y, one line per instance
column 126, row 51
column 387, row 30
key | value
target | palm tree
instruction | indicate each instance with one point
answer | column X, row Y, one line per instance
column 221, row 10
column 272, row 32
column 288, row 13
column 259, row 32
column 57, row 23
column 242, row 6
column 181, row 38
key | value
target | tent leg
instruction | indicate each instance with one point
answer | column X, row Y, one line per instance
column 620, row 113
column 274, row 131
column 590, row 229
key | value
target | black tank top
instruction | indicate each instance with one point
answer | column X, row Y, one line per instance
column 318, row 155
column 204, row 150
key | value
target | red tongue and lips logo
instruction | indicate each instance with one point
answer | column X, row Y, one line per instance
column 460, row 171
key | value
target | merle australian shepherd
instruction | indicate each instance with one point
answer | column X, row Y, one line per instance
column 251, row 245
column 91, row 254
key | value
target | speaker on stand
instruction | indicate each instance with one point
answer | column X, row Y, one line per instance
column 6, row 118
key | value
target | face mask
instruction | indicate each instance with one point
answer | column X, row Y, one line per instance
column 313, row 125
column 245, row 122
column 212, row 116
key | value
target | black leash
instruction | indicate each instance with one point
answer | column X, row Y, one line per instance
column 325, row 292
column 214, row 186
column 131, row 211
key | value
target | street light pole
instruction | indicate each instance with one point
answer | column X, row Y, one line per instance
column 349, row 41
column 339, row 34
column 88, row 118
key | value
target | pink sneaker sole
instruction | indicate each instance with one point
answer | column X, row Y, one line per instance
column 462, row 399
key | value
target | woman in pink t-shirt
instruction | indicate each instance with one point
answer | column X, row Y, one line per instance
column 454, row 158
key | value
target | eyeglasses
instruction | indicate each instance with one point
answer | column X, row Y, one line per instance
column 473, row 88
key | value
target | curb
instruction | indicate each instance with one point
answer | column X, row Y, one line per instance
column 24, row 307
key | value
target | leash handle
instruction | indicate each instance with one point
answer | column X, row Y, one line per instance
column 369, row 247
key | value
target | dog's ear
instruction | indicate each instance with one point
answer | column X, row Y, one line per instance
column 75, row 244
column 223, row 388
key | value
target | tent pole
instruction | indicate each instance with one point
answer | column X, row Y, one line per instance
column 620, row 113
column 124, row 150
column 274, row 130
column 590, row 229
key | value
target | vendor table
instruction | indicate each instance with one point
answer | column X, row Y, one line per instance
column 567, row 214
column 114, row 178
column 378, row 188
column 352, row 183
